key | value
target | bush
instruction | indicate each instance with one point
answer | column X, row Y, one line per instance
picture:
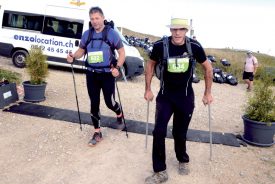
column 36, row 66
column 261, row 105
column 10, row 76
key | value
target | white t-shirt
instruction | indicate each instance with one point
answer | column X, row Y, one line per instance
column 250, row 64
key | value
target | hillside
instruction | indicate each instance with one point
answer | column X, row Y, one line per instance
column 129, row 32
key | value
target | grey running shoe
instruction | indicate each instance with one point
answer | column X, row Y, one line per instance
column 156, row 178
column 118, row 125
column 184, row 168
column 97, row 137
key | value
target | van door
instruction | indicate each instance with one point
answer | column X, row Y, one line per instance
column 63, row 28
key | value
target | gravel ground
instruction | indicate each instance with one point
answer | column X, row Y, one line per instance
column 36, row 150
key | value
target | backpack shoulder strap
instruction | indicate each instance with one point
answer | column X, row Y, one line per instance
column 90, row 36
column 105, row 37
column 188, row 46
column 165, row 48
column 164, row 59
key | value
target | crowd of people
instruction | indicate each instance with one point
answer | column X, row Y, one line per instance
column 144, row 43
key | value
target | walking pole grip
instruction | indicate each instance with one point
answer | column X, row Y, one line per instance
column 123, row 74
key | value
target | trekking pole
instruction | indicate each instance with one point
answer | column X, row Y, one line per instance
column 123, row 74
column 147, row 120
column 210, row 131
column 121, row 109
column 76, row 98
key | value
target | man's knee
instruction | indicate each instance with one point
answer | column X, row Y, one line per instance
column 159, row 133
column 179, row 135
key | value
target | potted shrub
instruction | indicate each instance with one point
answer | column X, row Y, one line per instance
column 37, row 68
column 259, row 118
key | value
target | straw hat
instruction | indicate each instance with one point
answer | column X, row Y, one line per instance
column 177, row 23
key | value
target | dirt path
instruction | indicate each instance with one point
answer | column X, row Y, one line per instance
column 42, row 151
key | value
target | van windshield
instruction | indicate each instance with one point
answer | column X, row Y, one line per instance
column 121, row 36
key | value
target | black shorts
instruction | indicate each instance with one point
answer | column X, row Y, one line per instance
column 248, row 75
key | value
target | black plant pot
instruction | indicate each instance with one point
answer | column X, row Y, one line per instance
column 34, row 93
column 258, row 133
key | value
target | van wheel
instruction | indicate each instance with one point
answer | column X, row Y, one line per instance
column 19, row 58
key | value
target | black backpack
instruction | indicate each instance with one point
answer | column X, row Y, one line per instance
column 159, row 68
column 108, row 25
column 230, row 79
column 219, row 76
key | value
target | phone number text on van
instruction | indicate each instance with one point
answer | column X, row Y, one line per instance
column 52, row 42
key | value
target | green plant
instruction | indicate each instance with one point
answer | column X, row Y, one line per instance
column 261, row 105
column 10, row 76
column 36, row 66
column 143, row 54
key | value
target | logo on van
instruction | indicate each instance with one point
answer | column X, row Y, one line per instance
column 77, row 3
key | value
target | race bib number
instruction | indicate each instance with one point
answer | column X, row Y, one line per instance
column 95, row 57
column 178, row 65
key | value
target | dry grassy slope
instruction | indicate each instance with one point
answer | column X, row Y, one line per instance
column 129, row 32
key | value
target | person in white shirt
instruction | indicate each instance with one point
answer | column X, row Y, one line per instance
column 250, row 68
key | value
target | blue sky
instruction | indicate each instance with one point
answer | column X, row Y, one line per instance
column 239, row 24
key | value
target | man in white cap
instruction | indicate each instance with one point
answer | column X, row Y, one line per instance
column 250, row 68
column 176, row 96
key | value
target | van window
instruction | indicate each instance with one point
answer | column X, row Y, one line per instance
column 63, row 27
column 22, row 20
column 70, row 28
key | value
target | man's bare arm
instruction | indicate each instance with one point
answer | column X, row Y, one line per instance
column 121, row 56
column 79, row 53
column 208, row 77
column 149, row 72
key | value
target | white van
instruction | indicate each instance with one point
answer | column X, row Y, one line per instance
column 56, row 27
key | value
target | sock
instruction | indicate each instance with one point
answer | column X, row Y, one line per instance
column 119, row 119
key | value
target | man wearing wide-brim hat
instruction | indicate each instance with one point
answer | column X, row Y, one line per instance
column 176, row 95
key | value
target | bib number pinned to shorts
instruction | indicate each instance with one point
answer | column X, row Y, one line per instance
column 95, row 57
column 178, row 65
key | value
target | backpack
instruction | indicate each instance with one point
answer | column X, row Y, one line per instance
column 108, row 25
column 230, row 79
column 225, row 62
column 159, row 68
column 219, row 76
